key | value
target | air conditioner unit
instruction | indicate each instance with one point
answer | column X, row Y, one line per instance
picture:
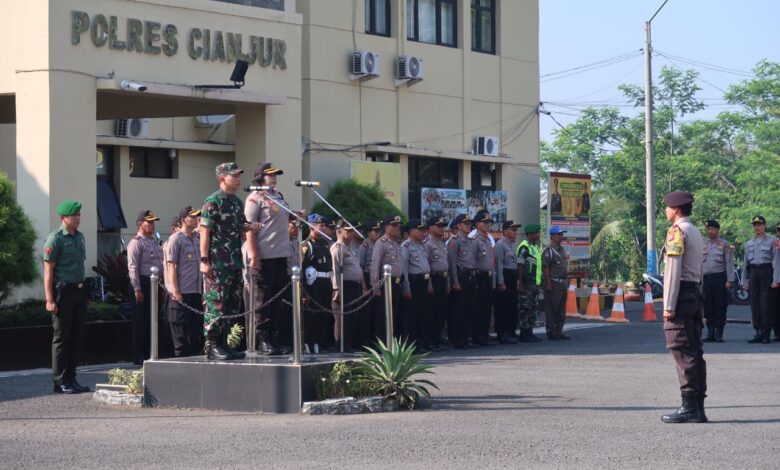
column 364, row 63
column 409, row 68
column 486, row 146
column 137, row 128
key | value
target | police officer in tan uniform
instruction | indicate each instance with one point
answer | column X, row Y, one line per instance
column 486, row 279
column 348, row 281
column 758, row 276
column 387, row 250
column 555, row 268
column 143, row 253
column 436, row 251
column 506, row 284
column 462, row 261
column 718, row 272
column 418, row 317
column 683, row 253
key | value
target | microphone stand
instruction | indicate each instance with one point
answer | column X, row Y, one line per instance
column 283, row 206
column 337, row 213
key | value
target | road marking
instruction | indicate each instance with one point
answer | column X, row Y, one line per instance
column 92, row 368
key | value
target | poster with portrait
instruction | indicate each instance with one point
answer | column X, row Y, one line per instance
column 569, row 207
column 387, row 176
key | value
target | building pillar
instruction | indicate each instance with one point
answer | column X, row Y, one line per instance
column 56, row 152
column 250, row 139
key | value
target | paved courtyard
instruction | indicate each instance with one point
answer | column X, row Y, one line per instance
column 593, row 402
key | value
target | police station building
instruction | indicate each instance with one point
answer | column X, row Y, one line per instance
column 111, row 102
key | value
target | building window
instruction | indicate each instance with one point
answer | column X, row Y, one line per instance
column 429, row 173
column 483, row 26
column 483, row 176
column 110, row 215
column 271, row 4
column 151, row 163
column 432, row 21
column 378, row 17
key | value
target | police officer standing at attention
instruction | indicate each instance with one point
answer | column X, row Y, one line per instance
column 462, row 260
column 418, row 317
column 143, row 253
column 64, row 253
column 222, row 228
column 387, row 250
column 182, row 262
column 268, row 250
column 436, row 252
column 759, row 254
column 555, row 269
column 529, row 281
column 347, row 269
column 365, row 251
column 317, row 266
column 486, row 280
column 682, row 307
column 776, row 282
column 506, row 284
column 718, row 272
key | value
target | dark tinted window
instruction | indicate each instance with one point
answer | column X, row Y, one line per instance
column 110, row 215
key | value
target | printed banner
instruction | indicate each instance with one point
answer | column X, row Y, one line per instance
column 448, row 203
column 568, row 206
column 385, row 175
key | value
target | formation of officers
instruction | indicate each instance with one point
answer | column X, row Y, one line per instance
column 231, row 256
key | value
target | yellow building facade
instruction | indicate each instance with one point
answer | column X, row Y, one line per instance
column 101, row 101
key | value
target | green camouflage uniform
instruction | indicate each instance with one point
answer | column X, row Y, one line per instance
column 224, row 214
column 528, row 299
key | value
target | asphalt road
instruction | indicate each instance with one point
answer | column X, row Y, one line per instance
column 593, row 402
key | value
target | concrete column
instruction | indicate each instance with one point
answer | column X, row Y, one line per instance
column 56, row 151
column 285, row 149
column 250, row 139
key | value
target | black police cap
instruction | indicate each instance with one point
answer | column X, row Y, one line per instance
column 678, row 198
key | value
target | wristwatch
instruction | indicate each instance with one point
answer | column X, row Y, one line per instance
column 204, row 259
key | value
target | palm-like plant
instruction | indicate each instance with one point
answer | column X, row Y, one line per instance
column 390, row 371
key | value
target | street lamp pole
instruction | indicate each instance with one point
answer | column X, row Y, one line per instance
column 652, row 256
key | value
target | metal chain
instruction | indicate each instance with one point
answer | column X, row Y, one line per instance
column 226, row 317
column 366, row 298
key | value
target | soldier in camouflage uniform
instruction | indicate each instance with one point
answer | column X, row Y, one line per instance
column 222, row 228
column 529, row 266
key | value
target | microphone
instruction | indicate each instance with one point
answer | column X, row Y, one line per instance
column 249, row 189
column 307, row 184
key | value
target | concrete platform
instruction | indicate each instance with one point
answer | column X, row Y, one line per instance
column 265, row 384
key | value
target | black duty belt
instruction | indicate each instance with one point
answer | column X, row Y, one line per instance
column 396, row 280
column 468, row 272
column 443, row 274
column 485, row 273
column 419, row 276
column 689, row 285
column 558, row 279
column 761, row 266
column 715, row 275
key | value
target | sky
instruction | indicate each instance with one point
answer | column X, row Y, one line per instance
column 730, row 34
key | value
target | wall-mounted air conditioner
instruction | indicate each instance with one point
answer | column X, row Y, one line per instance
column 363, row 64
column 486, row 145
column 137, row 128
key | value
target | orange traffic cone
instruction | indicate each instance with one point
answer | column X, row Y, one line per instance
column 571, row 300
column 618, row 314
column 649, row 314
column 593, row 311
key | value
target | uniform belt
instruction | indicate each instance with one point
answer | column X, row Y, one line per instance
column 689, row 285
column 322, row 274
column 485, row 273
column 425, row 276
column 715, row 275
column 558, row 279
column 760, row 266
column 396, row 280
column 470, row 272
column 443, row 274
column 77, row 285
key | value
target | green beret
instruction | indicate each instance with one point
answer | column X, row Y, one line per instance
column 69, row 208
column 533, row 228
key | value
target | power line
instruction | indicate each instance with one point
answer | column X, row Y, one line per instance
column 589, row 67
column 675, row 64
column 714, row 67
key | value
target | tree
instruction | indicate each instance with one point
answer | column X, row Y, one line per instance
column 358, row 202
column 17, row 241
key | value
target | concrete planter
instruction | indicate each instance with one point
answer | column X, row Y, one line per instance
column 349, row 406
column 116, row 395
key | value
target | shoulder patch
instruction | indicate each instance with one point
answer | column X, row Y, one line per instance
column 675, row 244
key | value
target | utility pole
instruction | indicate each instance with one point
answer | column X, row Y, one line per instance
column 652, row 257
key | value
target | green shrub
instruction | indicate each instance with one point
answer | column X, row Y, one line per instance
column 357, row 202
column 390, row 372
column 32, row 312
column 341, row 381
column 133, row 380
column 17, row 241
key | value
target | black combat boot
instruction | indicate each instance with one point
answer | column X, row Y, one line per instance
column 216, row 352
column 765, row 337
column 700, row 403
column 233, row 353
column 719, row 334
column 758, row 338
column 689, row 412
column 264, row 345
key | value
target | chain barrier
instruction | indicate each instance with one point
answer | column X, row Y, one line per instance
column 365, row 298
column 226, row 317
